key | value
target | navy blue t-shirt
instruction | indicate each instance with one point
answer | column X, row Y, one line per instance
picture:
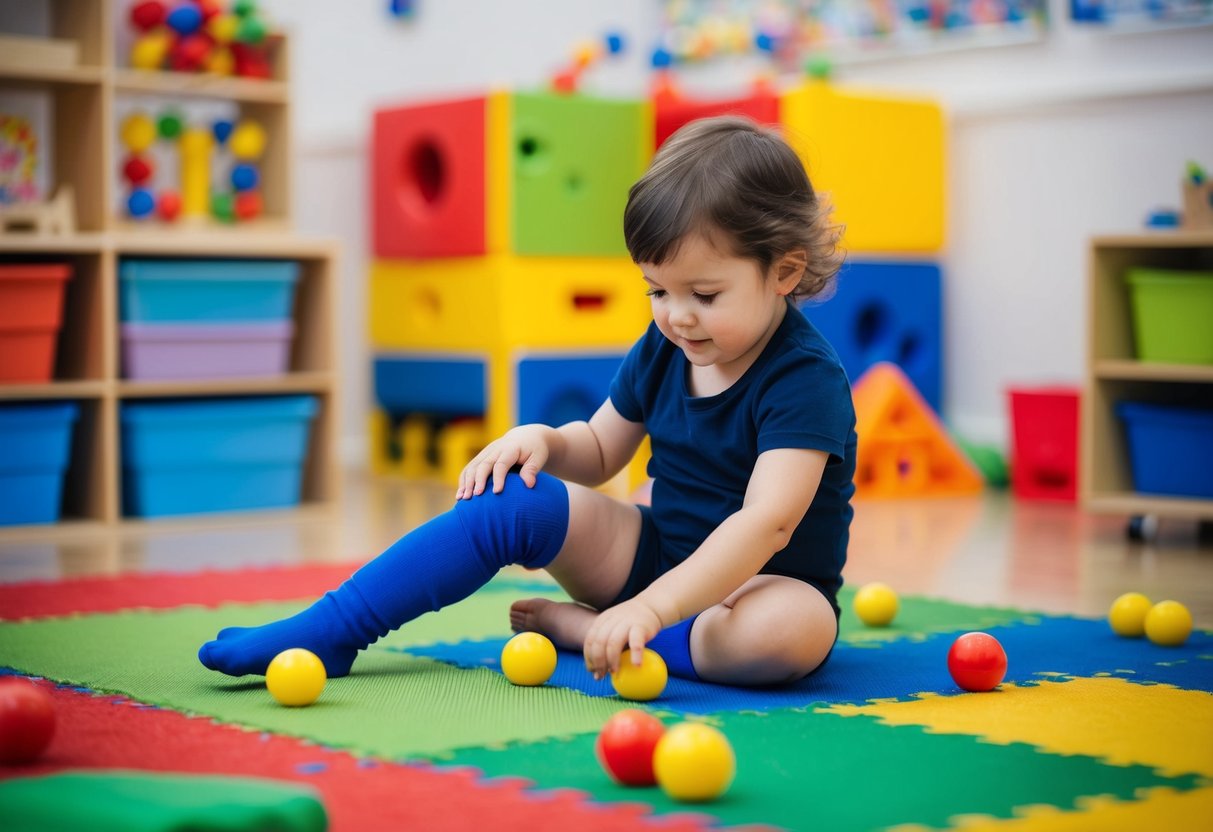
column 795, row 395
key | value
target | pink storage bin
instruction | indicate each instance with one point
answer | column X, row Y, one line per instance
column 189, row 351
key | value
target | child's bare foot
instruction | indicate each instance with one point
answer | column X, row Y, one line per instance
column 564, row 622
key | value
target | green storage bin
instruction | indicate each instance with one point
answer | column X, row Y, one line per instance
column 1172, row 315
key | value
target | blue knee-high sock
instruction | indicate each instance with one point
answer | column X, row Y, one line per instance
column 435, row 565
column 674, row 645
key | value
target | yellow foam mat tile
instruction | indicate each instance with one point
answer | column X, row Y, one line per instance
column 1111, row 719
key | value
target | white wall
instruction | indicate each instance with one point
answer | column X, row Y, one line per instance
column 1050, row 143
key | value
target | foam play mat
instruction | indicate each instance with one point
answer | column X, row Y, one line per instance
column 1088, row 730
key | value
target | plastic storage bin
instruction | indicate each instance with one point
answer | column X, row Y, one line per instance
column 215, row 291
column 207, row 455
column 1170, row 448
column 1044, row 443
column 31, row 313
column 181, row 351
column 35, row 446
column 1172, row 315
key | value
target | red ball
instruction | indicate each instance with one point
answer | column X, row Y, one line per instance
column 247, row 205
column 189, row 53
column 977, row 662
column 27, row 720
column 168, row 206
column 137, row 169
column 625, row 747
column 147, row 15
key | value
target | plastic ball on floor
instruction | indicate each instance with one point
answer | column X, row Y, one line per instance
column 27, row 720
column 1168, row 623
column 640, row 683
column 1127, row 615
column 625, row 747
column 876, row 604
column 528, row 659
column 694, row 762
column 296, row 677
column 977, row 662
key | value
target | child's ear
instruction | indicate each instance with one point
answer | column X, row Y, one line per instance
column 789, row 270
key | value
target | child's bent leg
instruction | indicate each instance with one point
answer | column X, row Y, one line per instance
column 437, row 564
column 772, row 630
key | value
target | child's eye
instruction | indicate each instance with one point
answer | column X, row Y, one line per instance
column 655, row 293
column 706, row 300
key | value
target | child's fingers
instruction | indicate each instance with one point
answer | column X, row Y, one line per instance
column 636, row 644
column 502, row 467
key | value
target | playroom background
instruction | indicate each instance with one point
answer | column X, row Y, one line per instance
column 272, row 272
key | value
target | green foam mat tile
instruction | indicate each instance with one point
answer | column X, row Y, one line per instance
column 919, row 617
column 391, row 705
column 813, row 770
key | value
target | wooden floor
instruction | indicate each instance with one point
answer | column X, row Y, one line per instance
column 988, row 550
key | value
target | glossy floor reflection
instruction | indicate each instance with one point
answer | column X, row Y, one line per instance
column 985, row 550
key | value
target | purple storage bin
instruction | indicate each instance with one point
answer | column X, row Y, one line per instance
column 180, row 351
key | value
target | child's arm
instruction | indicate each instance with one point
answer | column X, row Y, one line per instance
column 779, row 492
column 589, row 453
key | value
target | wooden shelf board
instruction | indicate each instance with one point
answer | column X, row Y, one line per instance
column 82, row 75
column 292, row 383
column 201, row 85
column 54, row 390
column 1132, row 502
column 306, row 511
column 63, row 530
column 1125, row 369
column 86, row 243
column 1178, row 238
column 234, row 242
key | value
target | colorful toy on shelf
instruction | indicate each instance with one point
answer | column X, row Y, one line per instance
column 243, row 144
column 199, row 36
column 587, row 53
column 1198, row 198
column 18, row 160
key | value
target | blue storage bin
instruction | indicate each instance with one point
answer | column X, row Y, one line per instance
column 206, row 290
column 206, row 455
column 1170, row 448
column 35, row 446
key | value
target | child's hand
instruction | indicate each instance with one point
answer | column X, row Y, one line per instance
column 526, row 445
column 622, row 627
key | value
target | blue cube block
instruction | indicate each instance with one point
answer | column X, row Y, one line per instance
column 553, row 390
column 35, row 447
column 442, row 387
column 887, row 311
column 204, row 455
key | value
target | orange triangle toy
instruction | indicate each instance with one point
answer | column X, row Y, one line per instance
column 904, row 450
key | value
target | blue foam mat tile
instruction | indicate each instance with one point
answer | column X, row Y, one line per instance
column 1049, row 648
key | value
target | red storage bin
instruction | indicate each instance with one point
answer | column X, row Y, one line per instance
column 31, row 312
column 1044, row 443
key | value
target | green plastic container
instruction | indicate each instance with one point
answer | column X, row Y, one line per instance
column 1172, row 315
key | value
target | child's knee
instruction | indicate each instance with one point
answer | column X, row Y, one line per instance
column 525, row 524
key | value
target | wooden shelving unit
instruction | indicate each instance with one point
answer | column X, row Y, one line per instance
column 85, row 137
column 1115, row 374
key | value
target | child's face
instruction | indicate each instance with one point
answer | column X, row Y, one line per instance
column 720, row 310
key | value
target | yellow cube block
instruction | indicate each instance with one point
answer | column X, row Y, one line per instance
column 880, row 159
column 503, row 301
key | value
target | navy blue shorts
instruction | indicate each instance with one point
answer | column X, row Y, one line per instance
column 651, row 563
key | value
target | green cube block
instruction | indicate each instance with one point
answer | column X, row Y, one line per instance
column 574, row 159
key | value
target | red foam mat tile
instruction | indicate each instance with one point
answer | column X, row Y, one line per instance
column 107, row 732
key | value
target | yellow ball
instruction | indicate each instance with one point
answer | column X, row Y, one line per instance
column 640, row 683
column 138, row 132
column 247, row 141
column 295, row 677
column 1168, row 623
column 1127, row 615
column 528, row 659
column 694, row 762
column 150, row 50
column 876, row 604
column 222, row 27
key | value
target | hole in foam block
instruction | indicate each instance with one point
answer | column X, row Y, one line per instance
column 424, row 178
